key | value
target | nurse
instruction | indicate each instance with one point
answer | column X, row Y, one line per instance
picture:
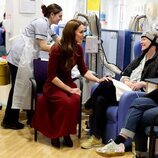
column 34, row 39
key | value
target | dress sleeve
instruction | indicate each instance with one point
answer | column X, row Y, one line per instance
column 80, row 62
column 53, row 62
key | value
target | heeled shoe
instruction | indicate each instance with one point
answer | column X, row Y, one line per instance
column 67, row 141
column 55, row 142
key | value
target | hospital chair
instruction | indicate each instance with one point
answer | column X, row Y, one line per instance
column 40, row 75
column 152, row 132
column 116, row 114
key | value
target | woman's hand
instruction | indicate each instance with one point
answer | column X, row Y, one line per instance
column 89, row 76
column 65, row 87
column 105, row 78
column 75, row 90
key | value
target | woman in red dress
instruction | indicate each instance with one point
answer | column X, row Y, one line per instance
column 57, row 111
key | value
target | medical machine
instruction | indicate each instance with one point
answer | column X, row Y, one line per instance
column 94, row 42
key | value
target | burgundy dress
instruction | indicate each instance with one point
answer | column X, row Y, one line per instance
column 57, row 111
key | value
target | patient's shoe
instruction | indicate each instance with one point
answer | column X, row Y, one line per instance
column 87, row 111
column 55, row 142
column 91, row 142
column 67, row 141
column 111, row 149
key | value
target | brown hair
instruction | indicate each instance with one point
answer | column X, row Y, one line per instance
column 68, row 42
column 52, row 8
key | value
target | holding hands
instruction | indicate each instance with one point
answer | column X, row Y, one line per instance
column 135, row 85
column 75, row 90
column 138, row 85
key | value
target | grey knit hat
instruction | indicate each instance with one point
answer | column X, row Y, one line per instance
column 152, row 35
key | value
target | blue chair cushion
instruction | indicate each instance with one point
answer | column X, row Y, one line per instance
column 137, row 50
column 111, row 113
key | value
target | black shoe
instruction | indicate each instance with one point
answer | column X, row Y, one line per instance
column 15, row 126
column 139, row 156
column 67, row 141
column 87, row 111
column 87, row 105
column 55, row 142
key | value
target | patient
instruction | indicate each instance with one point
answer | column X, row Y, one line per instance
column 140, row 115
column 145, row 66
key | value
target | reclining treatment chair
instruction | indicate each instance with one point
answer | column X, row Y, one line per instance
column 116, row 114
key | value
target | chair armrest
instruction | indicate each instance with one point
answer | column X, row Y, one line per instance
column 80, row 81
column 34, row 92
column 124, row 104
column 80, row 116
column 152, row 132
column 153, row 126
column 34, row 87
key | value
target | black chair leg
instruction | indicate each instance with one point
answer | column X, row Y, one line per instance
column 79, row 129
column 35, row 135
column 152, row 147
column 80, row 118
column 30, row 114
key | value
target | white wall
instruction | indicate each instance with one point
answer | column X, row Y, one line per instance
column 69, row 7
column 2, row 9
column 133, row 9
column 118, row 13
column 16, row 21
column 140, row 8
column 115, row 11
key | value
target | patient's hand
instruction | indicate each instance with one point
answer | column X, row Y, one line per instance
column 129, row 83
column 138, row 85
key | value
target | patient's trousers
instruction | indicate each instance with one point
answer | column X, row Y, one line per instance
column 140, row 115
column 103, row 95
